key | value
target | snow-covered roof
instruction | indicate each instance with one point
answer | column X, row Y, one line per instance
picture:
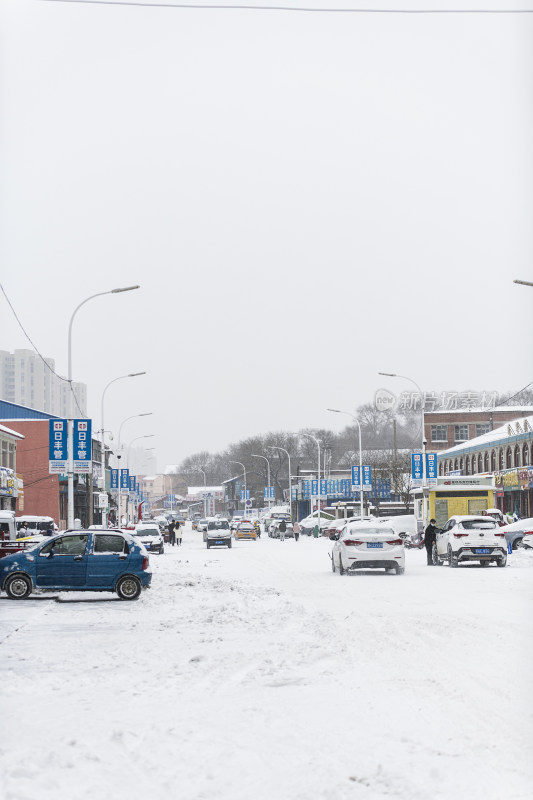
column 508, row 430
column 10, row 432
column 202, row 489
column 482, row 410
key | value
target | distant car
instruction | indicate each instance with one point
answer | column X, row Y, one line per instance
column 470, row 538
column 515, row 532
column 218, row 533
column 234, row 522
column 245, row 530
column 366, row 546
column 527, row 541
column 201, row 525
column 105, row 560
column 151, row 537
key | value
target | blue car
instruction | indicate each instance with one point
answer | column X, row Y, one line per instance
column 104, row 560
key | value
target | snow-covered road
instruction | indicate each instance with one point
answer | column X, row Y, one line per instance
column 257, row 674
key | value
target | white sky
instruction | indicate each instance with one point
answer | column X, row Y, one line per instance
column 305, row 199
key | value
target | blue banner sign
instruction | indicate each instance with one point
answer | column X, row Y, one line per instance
column 367, row 479
column 431, row 468
column 82, row 453
column 356, row 477
column 245, row 495
column 416, row 469
column 124, row 480
column 57, row 446
column 323, row 488
column 114, row 480
column 132, row 483
column 269, row 493
column 314, row 488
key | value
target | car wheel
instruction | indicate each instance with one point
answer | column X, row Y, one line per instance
column 452, row 560
column 208, row 545
column 18, row 587
column 229, row 543
column 161, row 550
column 517, row 543
column 333, row 563
column 437, row 560
column 399, row 570
column 502, row 562
column 484, row 563
column 128, row 587
column 341, row 567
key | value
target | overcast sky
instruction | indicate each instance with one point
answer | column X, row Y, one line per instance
column 305, row 199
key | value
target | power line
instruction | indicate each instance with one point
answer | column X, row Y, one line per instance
column 45, row 362
column 308, row 10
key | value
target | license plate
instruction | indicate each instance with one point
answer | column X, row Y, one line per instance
column 374, row 544
column 482, row 551
column 219, row 541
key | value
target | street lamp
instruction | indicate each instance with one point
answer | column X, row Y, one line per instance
column 146, row 436
column 273, row 447
column 336, row 411
column 198, row 469
column 310, row 436
column 423, row 407
column 244, row 471
column 119, row 456
column 268, row 473
column 70, row 421
column 130, row 375
column 523, row 283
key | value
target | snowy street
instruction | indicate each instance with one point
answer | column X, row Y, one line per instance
column 255, row 673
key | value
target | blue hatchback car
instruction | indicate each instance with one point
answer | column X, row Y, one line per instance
column 101, row 560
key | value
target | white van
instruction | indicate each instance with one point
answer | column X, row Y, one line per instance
column 7, row 526
column 34, row 525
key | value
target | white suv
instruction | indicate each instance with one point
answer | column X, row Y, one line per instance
column 469, row 538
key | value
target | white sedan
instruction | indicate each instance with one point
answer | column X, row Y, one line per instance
column 361, row 546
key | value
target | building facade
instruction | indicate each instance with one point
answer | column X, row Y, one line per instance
column 446, row 429
column 28, row 380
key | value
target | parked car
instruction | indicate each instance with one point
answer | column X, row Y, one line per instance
column 151, row 537
column 273, row 531
column 336, row 526
column 363, row 546
column 245, row 530
column 514, row 533
column 201, row 525
column 105, row 560
column 527, row 541
column 470, row 538
column 218, row 533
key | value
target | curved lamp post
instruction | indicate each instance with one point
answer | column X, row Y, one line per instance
column 310, row 436
column 336, row 411
column 70, row 421
column 274, row 447
column 254, row 455
column 244, row 471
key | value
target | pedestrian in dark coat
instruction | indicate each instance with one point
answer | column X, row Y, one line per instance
column 171, row 534
column 430, row 537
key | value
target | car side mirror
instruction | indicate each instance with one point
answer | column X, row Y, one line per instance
column 332, row 536
column 51, row 553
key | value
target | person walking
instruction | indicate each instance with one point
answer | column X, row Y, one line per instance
column 296, row 529
column 430, row 537
column 282, row 530
column 178, row 533
column 171, row 534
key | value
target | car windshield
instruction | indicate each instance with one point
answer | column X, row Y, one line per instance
column 146, row 532
column 245, row 526
column 218, row 525
column 473, row 524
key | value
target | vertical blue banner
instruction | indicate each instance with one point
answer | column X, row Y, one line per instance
column 124, row 479
column 431, row 468
column 416, row 468
column 57, row 445
column 114, row 480
column 323, row 488
column 367, row 479
column 82, row 445
column 132, row 483
column 356, row 478
column 314, row 488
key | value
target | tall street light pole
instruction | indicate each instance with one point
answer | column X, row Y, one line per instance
column 523, row 283
column 423, row 408
column 119, row 456
column 70, row 421
column 198, row 469
column 272, row 447
column 146, row 436
column 244, row 471
column 336, row 411
column 254, row 455
column 120, row 377
column 310, row 436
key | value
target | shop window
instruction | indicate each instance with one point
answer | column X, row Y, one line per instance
column 486, row 463
column 508, row 459
column 461, row 433
column 493, row 461
column 517, row 462
column 439, row 433
column 467, row 465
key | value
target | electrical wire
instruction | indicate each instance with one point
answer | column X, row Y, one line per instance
column 45, row 362
column 311, row 10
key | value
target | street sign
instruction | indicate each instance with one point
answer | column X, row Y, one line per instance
column 132, row 484
column 114, row 480
column 367, row 479
column 314, row 488
column 416, row 469
column 245, row 495
column 269, row 493
column 431, row 468
column 124, row 480
column 323, row 488
column 57, row 446
column 82, row 454
column 356, row 478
